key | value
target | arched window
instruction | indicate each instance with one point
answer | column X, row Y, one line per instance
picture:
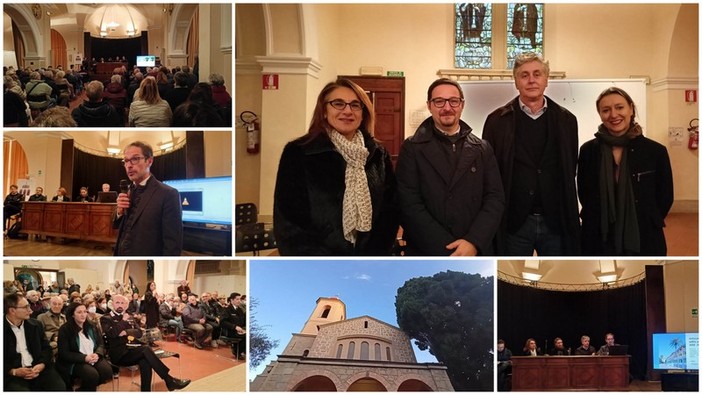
column 305, row 353
column 365, row 324
column 387, row 351
column 352, row 349
column 326, row 311
column 376, row 350
column 364, row 351
column 339, row 350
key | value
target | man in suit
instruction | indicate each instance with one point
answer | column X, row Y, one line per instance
column 536, row 146
column 121, row 332
column 149, row 217
column 233, row 321
column 134, row 306
column 26, row 352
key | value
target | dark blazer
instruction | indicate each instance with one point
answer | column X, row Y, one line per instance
column 69, row 353
column 37, row 345
column 150, row 307
column 309, row 193
column 499, row 131
column 155, row 226
column 231, row 318
column 526, row 353
column 65, row 198
column 440, row 204
column 652, row 181
column 165, row 313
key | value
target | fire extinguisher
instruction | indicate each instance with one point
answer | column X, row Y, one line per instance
column 253, row 131
column 694, row 141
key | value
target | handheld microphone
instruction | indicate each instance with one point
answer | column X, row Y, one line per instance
column 124, row 186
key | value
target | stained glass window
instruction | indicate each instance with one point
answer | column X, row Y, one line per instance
column 474, row 36
column 477, row 43
column 525, row 30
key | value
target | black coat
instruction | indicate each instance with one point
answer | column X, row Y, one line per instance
column 437, row 208
column 652, row 181
column 69, row 353
column 500, row 130
column 96, row 114
column 155, row 226
column 37, row 344
column 309, row 195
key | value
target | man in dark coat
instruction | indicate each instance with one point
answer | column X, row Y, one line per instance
column 30, row 369
column 449, row 186
column 149, row 217
column 536, row 145
column 233, row 322
column 95, row 111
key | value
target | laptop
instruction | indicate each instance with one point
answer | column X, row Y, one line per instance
column 619, row 349
column 107, row 197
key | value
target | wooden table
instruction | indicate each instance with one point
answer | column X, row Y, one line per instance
column 83, row 221
column 583, row 373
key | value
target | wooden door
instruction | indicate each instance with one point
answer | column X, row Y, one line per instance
column 388, row 97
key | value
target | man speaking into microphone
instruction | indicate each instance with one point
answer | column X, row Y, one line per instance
column 148, row 215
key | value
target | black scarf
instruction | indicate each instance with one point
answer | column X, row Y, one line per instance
column 617, row 203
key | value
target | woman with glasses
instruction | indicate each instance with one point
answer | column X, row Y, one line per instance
column 81, row 353
column 335, row 191
column 625, row 184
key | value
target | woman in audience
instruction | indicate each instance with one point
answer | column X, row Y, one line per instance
column 164, row 85
column 55, row 117
column 65, row 88
column 148, row 109
column 116, row 95
column 80, row 350
column 61, row 196
column 335, row 191
column 14, row 107
column 219, row 91
column 625, row 184
column 199, row 109
column 150, row 305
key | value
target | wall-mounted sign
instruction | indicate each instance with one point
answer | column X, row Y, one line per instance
column 270, row 81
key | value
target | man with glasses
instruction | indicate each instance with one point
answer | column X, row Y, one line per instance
column 27, row 353
column 448, row 182
column 536, row 145
column 148, row 216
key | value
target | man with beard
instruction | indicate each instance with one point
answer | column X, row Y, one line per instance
column 448, row 182
column 121, row 330
column 558, row 348
column 194, row 319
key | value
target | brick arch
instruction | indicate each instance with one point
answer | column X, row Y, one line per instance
column 405, row 378
column 295, row 381
column 368, row 374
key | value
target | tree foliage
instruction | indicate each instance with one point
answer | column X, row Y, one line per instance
column 260, row 344
column 451, row 314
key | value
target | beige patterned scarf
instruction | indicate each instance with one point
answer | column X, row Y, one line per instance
column 357, row 209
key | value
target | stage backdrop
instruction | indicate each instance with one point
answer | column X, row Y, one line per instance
column 93, row 170
column 527, row 312
column 111, row 47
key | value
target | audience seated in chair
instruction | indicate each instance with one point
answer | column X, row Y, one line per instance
column 95, row 111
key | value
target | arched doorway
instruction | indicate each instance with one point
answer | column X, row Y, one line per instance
column 316, row 383
column 413, row 385
column 367, row 384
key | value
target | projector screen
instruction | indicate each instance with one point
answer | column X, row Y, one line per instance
column 676, row 351
column 205, row 200
column 146, row 61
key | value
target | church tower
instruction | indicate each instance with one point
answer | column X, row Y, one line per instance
column 327, row 310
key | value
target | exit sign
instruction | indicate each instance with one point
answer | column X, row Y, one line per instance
column 396, row 73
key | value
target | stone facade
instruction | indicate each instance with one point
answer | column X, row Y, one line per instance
column 361, row 353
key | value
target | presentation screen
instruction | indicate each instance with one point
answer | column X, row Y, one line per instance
column 205, row 200
column 676, row 351
column 146, row 61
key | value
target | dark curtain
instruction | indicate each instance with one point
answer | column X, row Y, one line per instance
column 526, row 312
column 19, row 45
column 111, row 47
column 93, row 170
column 87, row 45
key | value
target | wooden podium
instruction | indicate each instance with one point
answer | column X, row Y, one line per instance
column 582, row 373
column 83, row 221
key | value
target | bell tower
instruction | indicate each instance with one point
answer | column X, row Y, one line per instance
column 328, row 310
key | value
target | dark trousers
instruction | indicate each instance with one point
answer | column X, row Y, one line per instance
column 8, row 212
column 147, row 360
column 92, row 375
column 534, row 235
column 48, row 380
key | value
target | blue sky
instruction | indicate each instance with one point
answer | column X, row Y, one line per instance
column 286, row 290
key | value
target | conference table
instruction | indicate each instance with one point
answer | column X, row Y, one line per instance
column 71, row 220
column 582, row 373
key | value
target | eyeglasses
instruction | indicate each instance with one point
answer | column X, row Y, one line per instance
column 440, row 102
column 341, row 105
column 23, row 307
column 133, row 161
